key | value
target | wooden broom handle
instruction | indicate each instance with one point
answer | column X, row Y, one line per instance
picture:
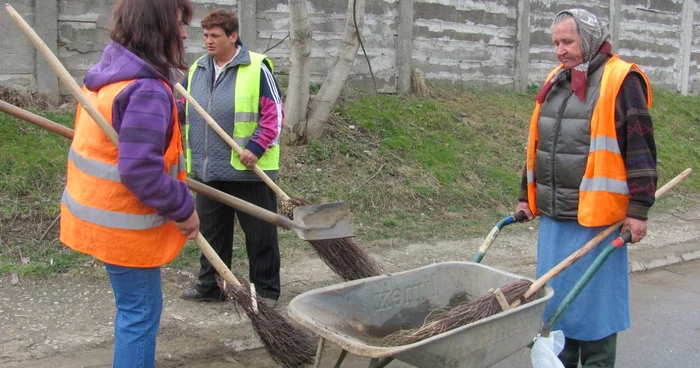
column 216, row 261
column 228, row 139
column 68, row 80
column 36, row 119
column 590, row 244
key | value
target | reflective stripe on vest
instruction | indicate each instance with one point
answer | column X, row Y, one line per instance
column 111, row 219
column 188, row 147
column 99, row 215
column 110, row 172
column 603, row 192
column 246, row 113
column 247, row 107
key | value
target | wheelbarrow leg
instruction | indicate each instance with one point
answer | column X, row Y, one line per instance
column 380, row 363
column 319, row 352
column 343, row 353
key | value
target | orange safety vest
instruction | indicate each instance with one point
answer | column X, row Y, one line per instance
column 603, row 193
column 99, row 216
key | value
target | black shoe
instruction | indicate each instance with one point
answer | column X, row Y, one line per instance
column 195, row 295
column 272, row 303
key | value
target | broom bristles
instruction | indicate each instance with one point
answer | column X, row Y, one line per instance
column 446, row 319
column 418, row 86
column 286, row 344
column 343, row 255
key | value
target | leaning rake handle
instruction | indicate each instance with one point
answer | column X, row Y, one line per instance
column 585, row 280
column 539, row 283
column 517, row 217
column 227, row 138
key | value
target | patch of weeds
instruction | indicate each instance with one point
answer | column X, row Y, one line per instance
column 425, row 191
column 41, row 260
column 188, row 257
column 391, row 223
column 314, row 87
column 318, row 152
column 533, row 88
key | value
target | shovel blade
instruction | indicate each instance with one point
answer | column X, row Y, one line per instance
column 324, row 221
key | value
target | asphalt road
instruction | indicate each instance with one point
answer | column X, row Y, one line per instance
column 665, row 321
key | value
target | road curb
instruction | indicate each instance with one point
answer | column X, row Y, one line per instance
column 674, row 254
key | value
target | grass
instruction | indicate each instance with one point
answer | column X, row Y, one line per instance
column 412, row 169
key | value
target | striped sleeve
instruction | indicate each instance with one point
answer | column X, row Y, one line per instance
column 271, row 114
column 144, row 123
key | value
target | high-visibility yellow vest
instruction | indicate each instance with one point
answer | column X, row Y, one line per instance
column 246, row 113
column 603, row 192
column 99, row 215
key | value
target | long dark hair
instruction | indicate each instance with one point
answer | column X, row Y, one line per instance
column 150, row 29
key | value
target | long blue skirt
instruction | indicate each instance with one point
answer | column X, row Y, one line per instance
column 603, row 307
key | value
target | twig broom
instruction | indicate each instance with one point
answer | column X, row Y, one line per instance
column 515, row 293
column 285, row 343
column 342, row 255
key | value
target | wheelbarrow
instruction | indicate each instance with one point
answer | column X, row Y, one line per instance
column 356, row 315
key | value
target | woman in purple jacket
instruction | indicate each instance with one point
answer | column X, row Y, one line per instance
column 147, row 42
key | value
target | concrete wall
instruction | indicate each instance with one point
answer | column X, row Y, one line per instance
column 495, row 43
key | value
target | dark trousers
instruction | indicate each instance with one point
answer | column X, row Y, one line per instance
column 598, row 353
column 216, row 224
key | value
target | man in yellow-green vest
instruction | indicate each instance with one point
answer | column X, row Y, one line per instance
column 237, row 88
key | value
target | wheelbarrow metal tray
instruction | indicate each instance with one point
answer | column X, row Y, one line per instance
column 355, row 315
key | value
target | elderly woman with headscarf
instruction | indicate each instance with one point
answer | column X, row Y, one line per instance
column 591, row 162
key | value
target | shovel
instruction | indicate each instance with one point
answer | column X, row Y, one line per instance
column 318, row 222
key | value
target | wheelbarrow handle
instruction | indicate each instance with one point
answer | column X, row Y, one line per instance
column 517, row 217
column 568, row 261
column 585, row 280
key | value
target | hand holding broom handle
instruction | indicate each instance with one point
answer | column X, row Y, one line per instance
column 590, row 245
column 228, row 139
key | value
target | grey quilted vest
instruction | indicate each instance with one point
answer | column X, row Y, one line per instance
column 564, row 136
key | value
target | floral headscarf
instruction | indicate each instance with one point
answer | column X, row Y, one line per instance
column 594, row 40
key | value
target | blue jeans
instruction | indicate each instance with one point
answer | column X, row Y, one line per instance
column 139, row 300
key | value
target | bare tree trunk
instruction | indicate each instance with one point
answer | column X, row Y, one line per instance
column 336, row 78
column 297, row 100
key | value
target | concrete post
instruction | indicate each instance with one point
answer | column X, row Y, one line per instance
column 46, row 26
column 686, row 45
column 405, row 45
column 614, row 26
column 248, row 23
column 522, row 48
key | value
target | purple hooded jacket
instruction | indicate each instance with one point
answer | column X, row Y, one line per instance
column 142, row 114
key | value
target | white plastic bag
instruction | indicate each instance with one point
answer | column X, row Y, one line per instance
column 546, row 349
